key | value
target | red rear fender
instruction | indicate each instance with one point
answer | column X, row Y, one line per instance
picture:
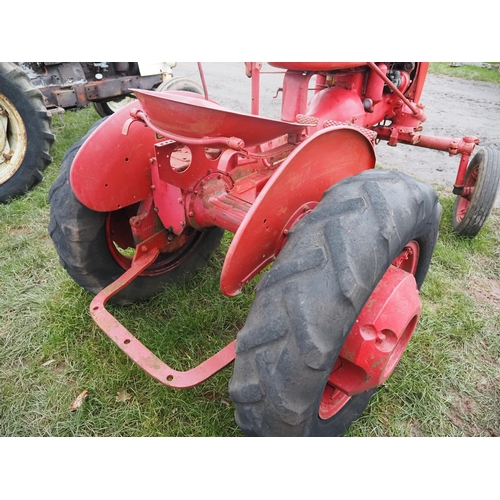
column 297, row 185
column 112, row 170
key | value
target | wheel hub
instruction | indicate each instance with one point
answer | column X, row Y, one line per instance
column 464, row 200
column 379, row 337
column 13, row 141
column 120, row 239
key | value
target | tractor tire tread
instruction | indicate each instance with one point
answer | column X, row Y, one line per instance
column 283, row 331
column 38, row 125
column 480, row 206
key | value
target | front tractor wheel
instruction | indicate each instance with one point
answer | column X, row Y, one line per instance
column 332, row 317
column 96, row 248
column 473, row 207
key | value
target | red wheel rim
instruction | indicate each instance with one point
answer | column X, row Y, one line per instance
column 463, row 203
column 122, row 246
column 379, row 337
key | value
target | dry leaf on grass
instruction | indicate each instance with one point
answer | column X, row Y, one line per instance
column 78, row 401
column 122, row 396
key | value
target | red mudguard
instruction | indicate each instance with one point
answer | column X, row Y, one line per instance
column 296, row 187
column 113, row 170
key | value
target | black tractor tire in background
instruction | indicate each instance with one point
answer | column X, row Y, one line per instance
column 483, row 174
column 25, row 134
column 180, row 83
column 107, row 108
column 307, row 303
column 79, row 235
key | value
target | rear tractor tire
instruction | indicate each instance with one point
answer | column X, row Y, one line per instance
column 96, row 248
column 25, row 136
column 482, row 178
column 292, row 355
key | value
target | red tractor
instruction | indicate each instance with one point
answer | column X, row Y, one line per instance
column 143, row 200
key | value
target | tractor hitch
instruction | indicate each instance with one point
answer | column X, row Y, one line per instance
column 145, row 255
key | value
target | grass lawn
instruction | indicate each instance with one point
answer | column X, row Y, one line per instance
column 447, row 384
column 467, row 71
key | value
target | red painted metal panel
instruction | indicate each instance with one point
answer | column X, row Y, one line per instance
column 112, row 170
column 324, row 159
column 341, row 105
column 184, row 166
column 380, row 334
column 191, row 116
column 169, row 203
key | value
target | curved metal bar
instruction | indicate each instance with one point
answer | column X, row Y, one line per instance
column 146, row 254
column 232, row 142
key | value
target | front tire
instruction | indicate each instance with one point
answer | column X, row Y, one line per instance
column 25, row 136
column 307, row 304
column 483, row 177
column 87, row 243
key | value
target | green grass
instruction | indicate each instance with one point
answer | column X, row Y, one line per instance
column 447, row 384
column 468, row 72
